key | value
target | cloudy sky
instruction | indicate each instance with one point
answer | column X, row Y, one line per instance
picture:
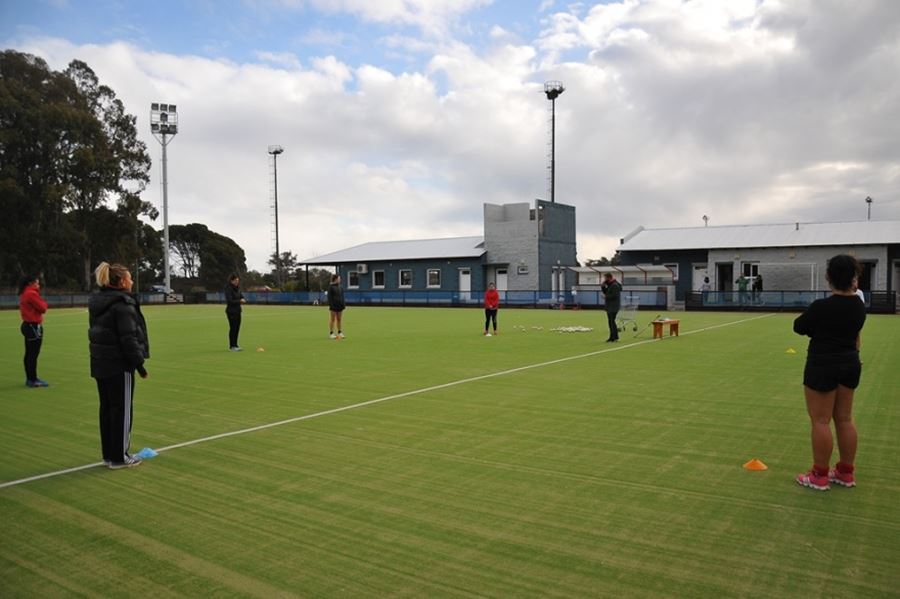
column 400, row 118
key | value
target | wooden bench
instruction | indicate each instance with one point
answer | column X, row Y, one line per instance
column 658, row 328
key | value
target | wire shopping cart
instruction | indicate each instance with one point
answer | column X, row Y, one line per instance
column 628, row 313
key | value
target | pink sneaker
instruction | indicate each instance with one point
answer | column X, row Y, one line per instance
column 845, row 479
column 813, row 481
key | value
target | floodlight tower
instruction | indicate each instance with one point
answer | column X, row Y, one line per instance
column 553, row 89
column 869, row 201
column 164, row 126
column 274, row 151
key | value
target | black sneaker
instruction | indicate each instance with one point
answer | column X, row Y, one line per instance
column 129, row 462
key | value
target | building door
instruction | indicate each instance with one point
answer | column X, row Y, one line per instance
column 465, row 284
column 725, row 276
column 502, row 279
column 866, row 276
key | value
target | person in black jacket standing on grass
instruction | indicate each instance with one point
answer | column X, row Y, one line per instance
column 612, row 293
column 119, row 346
column 335, row 307
column 233, row 300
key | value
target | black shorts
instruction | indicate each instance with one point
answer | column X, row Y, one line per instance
column 826, row 374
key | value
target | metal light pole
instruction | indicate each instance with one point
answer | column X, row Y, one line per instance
column 274, row 151
column 869, row 201
column 163, row 123
column 553, row 89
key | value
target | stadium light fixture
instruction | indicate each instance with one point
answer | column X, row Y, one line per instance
column 553, row 89
column 274, row 151
column 164, row 126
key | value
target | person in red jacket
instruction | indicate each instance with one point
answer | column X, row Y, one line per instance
column 491, row 303
column 32, row 307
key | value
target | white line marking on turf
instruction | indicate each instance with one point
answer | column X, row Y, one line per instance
column 371, row 402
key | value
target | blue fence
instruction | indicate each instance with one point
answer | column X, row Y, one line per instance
column 536, row 299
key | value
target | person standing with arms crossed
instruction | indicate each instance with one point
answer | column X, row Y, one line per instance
column 612, row 293
column 233, row 300
column 335, row 307
column 119, row 346
column 491, row 305
column 832, row 373
column 32, row 308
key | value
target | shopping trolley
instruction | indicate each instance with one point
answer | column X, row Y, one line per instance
column 628, row 313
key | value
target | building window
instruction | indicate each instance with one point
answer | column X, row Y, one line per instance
column 750, row 269
column 522, row 269
column 405, row 278
column 378, row 279
column 434, row 277
column 674, row 269
column 352, row 280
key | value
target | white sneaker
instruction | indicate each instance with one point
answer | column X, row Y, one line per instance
column 340, row 335
column 488, row 335
column 332, row 336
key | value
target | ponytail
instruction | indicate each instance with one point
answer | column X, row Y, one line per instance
column 110, row 275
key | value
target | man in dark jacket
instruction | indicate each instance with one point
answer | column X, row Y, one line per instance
column 612, row 293
column 233, row 300
column 118, row 346
column 335, row 307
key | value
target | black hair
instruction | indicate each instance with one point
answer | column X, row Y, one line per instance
column 26, row 281
column 233, row 276
column 841, row 271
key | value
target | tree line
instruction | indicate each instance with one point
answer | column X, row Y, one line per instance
column 72, row 171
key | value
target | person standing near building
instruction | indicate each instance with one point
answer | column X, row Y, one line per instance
column 491, row 305
column 757, row 288
column 118, row 346
column 32, row 308
column 612, row 294
column 742, row 283
column 832, row 373
column 335, row 307
column 233, row 300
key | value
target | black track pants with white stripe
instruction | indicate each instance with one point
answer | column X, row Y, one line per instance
column 116, row 411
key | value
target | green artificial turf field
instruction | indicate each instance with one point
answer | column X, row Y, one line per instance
column 531, row 464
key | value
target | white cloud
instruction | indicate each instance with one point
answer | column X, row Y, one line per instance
column 746, row 112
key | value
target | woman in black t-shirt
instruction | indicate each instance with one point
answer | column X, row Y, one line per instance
column 832, row 373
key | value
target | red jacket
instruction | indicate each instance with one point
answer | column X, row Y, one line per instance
column 31, row 306
column 491, row 299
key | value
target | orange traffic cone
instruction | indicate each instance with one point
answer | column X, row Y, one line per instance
column 755, row 464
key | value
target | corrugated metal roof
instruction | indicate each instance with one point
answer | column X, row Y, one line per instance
column 415, row 249
column 750, row 236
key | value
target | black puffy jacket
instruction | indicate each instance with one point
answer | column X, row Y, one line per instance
column 117, row 334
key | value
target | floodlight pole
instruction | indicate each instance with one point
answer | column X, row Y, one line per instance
column 274, row 151
column 553, row 89
column 163, row 123
column 869, row 201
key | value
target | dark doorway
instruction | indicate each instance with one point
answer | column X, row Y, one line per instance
column 865, row 277
column 724, row 276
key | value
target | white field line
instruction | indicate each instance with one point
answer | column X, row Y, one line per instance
column 371, row 402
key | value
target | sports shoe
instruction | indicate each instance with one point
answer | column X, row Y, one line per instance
column 340, row 335
column 129, row 462
column 812, row 480
column 332, row 336
column 235, row 348
column 844, row 479
column 37, row 383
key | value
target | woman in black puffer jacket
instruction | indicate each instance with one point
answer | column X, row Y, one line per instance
column 119, row 346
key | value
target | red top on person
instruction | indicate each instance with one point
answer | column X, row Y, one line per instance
column 491, row 299
column 31, row 305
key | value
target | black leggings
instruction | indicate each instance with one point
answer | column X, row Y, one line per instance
column 34, row 337
column 234, row 327
column 490, row 315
